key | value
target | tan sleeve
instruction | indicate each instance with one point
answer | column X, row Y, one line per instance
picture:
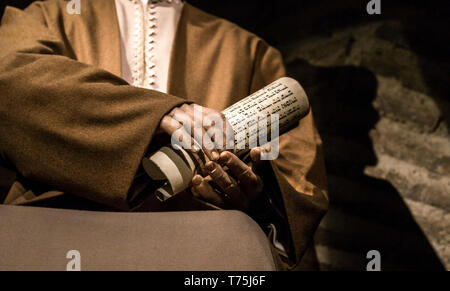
column 299, row 169
column 66, row 124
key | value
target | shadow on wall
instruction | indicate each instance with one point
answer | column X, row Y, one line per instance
column 342, row 101
column 423, row 29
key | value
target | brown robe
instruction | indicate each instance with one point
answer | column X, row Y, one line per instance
column 70, row 126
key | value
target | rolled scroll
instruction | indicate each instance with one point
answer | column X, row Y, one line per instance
column 255, row 120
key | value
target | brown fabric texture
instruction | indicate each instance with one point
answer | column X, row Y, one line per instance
column 66, row 121
column 71, row 126
column 35, row 238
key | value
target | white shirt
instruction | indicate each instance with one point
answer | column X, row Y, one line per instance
column 147, row 30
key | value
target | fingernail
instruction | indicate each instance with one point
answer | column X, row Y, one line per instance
column 224, row 157
column 215, row 155
column 195, row 148
column 197, row 180
column 256, row 153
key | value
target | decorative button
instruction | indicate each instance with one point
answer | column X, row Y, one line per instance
column 144, row 73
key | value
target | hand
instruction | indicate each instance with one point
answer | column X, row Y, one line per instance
column 207, row 126
column 237, row 190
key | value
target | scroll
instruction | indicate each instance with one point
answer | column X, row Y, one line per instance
column 255, row 120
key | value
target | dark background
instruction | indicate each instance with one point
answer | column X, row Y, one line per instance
column 379, row 89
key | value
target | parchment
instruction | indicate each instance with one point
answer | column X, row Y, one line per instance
column 261, row 116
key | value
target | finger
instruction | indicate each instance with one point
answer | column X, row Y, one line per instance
column 188, row 109
column 218, row 128
column 222, row 134
column 251, row 183
column 227, row 185
column 185, row 115
column 208, row 146
column 218, row 174
column 195, row 122
column 201, row 189
column 185, row 120
column 257, row 163
column 168, row 125
column 238, row 168
column 177, row 132
column 182, row 117
column 199, row 132
column 215, row 125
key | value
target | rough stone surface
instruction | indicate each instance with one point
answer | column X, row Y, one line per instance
column 389, row 177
